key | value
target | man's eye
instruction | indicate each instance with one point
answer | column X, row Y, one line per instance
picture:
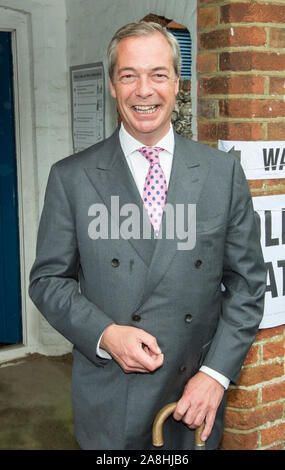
column 127, row 78
column 159, row 77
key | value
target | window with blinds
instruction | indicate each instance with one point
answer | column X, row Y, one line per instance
column 185, row 42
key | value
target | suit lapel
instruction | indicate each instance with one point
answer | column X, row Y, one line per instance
column 188, row 176
column 111, row 176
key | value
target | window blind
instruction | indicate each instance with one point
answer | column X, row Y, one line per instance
column 185, row 43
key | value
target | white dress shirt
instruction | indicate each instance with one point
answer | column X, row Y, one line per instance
column 139, row 167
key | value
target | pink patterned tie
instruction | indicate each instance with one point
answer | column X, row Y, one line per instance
column 155, row 187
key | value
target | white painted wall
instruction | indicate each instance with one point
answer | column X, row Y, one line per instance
column 43, row 137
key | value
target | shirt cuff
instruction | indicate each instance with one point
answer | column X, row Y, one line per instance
column 101, row 352
column 224, row 381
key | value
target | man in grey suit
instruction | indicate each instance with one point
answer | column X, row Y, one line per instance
column 153, row 318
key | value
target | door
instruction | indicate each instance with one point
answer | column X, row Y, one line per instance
column 10, row 289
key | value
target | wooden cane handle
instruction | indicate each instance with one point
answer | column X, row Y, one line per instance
column 199, row 444
column 162, row 415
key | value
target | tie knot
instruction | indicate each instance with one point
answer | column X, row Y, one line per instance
column 151, row 154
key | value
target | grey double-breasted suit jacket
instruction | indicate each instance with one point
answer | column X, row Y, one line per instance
column 82, row 284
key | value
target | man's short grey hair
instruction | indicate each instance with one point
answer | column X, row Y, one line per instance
column 142, row 28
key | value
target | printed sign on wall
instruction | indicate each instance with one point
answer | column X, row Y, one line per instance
column 263, row 161
column 87, row 102
column 260, row 160
column 270, row 212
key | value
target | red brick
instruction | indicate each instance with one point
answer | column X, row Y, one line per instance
column 206, row 2
column 206, row 63
column 276, row 131
column 207, row 131
column 230, row 131
column 275, row 181
column 236, row 61
column 207, row 17
column 251, row 60
column 279, row 447
column 230, row 85
column 255, row 184
column 277, row 85
column 238, row 441
column 244, row 420
column 269, row 332
column 275, row 190
column 265, row 185
column 252, row 108
column 273, row 434
column 207, row 108
column 274, row 349
column 252, row 355
column 243, row 131
column 252, row 12
column 253, row 36
column 268, row 61
column 261, row 373
column 273, row 392
column 239, row 398
column 277, row 37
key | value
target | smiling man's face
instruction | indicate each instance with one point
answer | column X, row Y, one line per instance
column 145, row 86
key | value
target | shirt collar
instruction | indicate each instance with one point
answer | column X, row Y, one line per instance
column 129, row 144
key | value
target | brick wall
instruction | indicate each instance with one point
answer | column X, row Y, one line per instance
column 241, row 90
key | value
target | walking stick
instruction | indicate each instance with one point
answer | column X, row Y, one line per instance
column 162, row 415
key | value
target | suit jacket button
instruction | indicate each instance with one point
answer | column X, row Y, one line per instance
column 115, row 263
column 182, row 369
column 198, row 263
column 136, row 317
column 188, row 318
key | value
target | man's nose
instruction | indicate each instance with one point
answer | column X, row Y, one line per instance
column 144, row 86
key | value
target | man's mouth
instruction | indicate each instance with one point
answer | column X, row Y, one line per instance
column 145, row 109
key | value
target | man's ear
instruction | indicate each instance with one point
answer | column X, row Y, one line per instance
column 112, row 89
column 177, row 85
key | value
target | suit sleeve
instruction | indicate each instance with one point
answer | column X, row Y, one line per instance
column 244, row 279
column 54, row 286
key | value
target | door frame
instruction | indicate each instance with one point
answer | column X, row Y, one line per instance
column 18, row 23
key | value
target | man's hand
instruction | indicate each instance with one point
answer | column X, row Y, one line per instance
column 134, row 349
column 200, row 400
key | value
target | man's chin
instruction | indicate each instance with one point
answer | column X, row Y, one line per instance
column 146, row 133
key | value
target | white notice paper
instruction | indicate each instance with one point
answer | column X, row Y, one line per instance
column 265, row 160
column 87, row 91
column 270, row 212
column 260, row 160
